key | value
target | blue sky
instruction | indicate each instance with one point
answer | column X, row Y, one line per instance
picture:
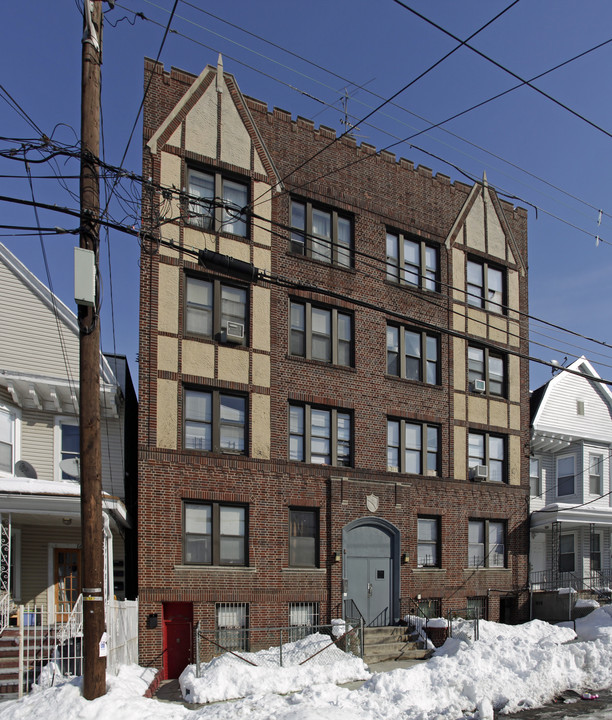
column 381, row 46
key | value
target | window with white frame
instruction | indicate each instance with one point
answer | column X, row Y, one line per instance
column 321, row 234
column 535, row 482
column 566, row 472
column 486, row 371
column 215, row 421
column 411, row 261
column 485, row 286
column 216, row 309
column 70, row 444
column 8, row 439
column 595, row 551
column 320, row 333
column 595, row 474
column 413, row 447
column 320, row 435
column 303, row 619
column 488, row 451
column 428, row 542
column 232, row 625
column 413, row 354
column 217, row 203
column 487, row 543
column 566, row 553
column 214, row 534
column 304, row 537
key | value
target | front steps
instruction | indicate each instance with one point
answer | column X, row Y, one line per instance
column 391, row 643
column 9, row 664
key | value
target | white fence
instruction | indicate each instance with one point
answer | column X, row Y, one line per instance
column 122, row 630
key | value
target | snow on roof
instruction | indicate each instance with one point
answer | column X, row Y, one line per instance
column 29, row 486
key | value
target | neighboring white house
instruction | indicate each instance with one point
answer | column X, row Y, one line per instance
column 40, row 516
column 571, row 504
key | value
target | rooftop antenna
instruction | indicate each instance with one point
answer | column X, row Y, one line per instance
column 349, row 127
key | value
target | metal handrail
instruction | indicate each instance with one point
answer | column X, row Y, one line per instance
column 5, row 610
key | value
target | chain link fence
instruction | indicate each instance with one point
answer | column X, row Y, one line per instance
column 280, row 646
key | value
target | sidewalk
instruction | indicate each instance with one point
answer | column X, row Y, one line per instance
column 170, row 691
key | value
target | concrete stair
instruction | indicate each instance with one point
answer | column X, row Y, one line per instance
column 391, row 643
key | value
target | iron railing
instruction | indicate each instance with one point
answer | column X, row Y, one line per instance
column 596, row 581
column 5, row 610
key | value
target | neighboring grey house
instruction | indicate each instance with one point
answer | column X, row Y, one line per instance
column 571, row 508
column 40, row 516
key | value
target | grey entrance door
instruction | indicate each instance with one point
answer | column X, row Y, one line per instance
column 369, row 571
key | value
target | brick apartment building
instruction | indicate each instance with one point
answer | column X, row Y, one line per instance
column 338, row 416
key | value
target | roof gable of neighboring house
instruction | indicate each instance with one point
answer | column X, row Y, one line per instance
column 39, row 355
column 576, row 406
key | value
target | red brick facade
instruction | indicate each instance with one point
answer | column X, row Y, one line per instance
column 379, row 194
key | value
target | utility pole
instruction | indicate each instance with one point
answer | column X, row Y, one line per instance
column 92, row 537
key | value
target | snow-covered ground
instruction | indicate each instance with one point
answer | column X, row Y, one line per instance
column 508, row 668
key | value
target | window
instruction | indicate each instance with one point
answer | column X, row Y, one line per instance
column 566, row 553
column 413, row 447
column 410, row 261
column 232, row 626
column 485, row 286
column 487, row 451
column 476, row 608
column 430, row 608
column 304, row 537
column 214, row 534
column 595, row 474
column 428, row 549
column 211, row 305
column 7, row 440
column 595, row 553
column 321, row 234
column 319, row 435
column 303, row 619
column 565, row 475
column 324, row 334
column 486, row 543
column 535, row 485
column 217, row 203
column 413, row 354
column 70, row 445
column 486, row 371
column 215, row 422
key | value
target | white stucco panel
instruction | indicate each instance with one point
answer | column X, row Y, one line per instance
column 475, row 226
column 495, row 233
column 235, row 139
column 200, row 120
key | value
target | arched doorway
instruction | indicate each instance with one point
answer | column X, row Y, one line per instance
column 371, row 569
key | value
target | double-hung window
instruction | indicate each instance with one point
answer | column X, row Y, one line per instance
column 485, row 286
column 217, row 203
column 411, row 261
column 321, row 436
column 70, row 444
column 304, row 537
column 428, row 549
column 566, row 553
column 566, row 473
column 303, row 619
column 321, row 234
column 7, row 440
column 216, row 309
column 319, row 333
column 232, row 626
column 595, row 474
column 215, row 421
column 413, row 447
column 486, row 371
column 486, row 543
column 413, row 354
column 214, row 534
column 488, row 452
column 535, row 483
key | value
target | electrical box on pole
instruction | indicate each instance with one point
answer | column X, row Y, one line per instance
column 84, row 277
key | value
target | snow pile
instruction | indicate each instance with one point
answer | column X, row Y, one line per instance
column 227, row 676
column 509, row 668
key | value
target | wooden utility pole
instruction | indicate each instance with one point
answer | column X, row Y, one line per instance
column 92, row 533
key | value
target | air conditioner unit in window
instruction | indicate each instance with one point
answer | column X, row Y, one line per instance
column 233, row 333
column 479, row 386
column 479, row 472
